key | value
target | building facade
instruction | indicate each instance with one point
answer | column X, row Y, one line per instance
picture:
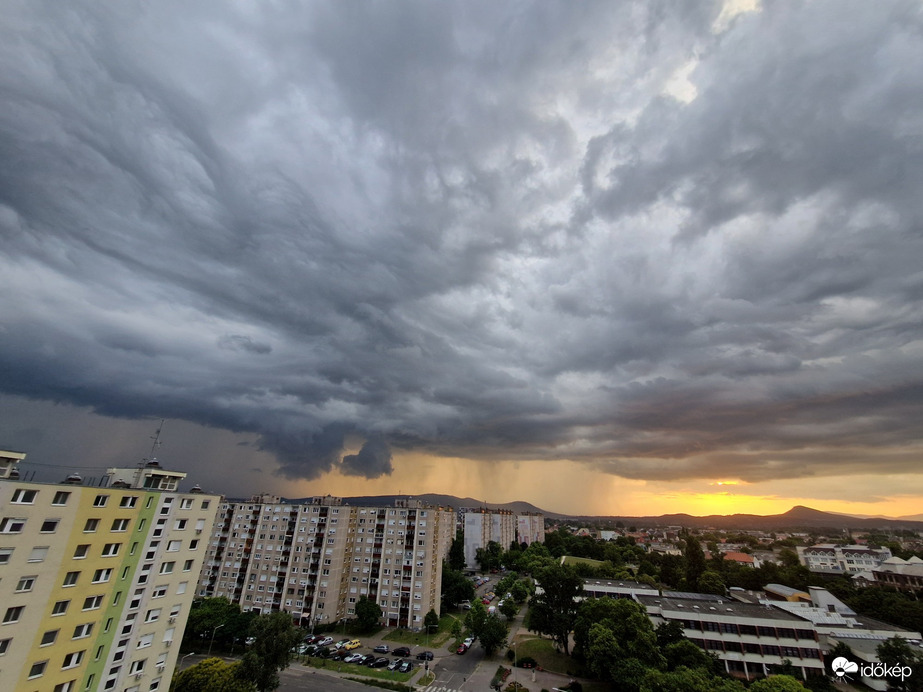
column 530, row 528
column 97, row 582
column 828, row 558
column 484, row 525
column 316, row 559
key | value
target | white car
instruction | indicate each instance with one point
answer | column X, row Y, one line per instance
column 326, row 641
column 469, row 641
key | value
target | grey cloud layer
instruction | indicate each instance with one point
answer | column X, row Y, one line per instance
column 485, row 230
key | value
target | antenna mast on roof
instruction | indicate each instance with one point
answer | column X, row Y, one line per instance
column 156, row 438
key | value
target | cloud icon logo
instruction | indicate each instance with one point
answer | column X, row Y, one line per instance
column 841, row 666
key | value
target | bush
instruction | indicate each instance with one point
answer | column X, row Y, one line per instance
column 510, row 655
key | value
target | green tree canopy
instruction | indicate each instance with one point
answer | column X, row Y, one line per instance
column 777, row 683
column 688, row 680
column 476, row 618
column 493, row 635
column 456, row 557
column 431, row 619
column 456, row 587
column 368, row 614
column 210, row 675
column 274, row 637
column 711, row 582
column 554, row 611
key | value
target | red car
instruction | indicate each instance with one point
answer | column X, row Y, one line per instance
column 461, row 649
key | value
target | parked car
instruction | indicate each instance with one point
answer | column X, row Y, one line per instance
column 395, row 664
column 340, row 644
column 405, row 667
column 338, row 655
column 352, row 644
column 353, row 658
column 461, row 649
column 325, row 641
column 401, row 651
column 382, row 649
column 425, row 656
column 469, row 641
column 379, row 663
column 323, row 652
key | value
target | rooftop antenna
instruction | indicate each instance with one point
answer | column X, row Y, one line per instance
column 156, row 438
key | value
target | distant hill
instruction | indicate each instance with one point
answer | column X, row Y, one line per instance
column 798, row 517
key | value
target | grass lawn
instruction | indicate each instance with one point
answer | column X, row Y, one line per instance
column 436, row 639
column 352, row 669
column 543, row 651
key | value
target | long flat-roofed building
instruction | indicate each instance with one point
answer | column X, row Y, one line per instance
column 316, row 559
column 97, row 581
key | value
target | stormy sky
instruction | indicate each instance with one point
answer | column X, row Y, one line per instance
column 656, row 243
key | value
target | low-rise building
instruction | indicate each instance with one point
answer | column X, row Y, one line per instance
column 829, row 558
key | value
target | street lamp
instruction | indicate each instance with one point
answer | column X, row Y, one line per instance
column 183, row 659
column 213, row 638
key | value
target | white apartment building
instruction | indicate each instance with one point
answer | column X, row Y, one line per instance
column 315, row 560
column 484, row 525
column 829, row 558
column 530, row 528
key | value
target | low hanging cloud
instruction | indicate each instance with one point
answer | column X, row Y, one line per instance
column 639, row 236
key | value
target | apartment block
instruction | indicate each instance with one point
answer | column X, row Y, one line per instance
column 530, row 528
column 484, row 525
column 96, row 582
column 828, row 558
column 316, row 559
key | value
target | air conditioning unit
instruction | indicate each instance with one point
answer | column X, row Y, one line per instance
column 168, row 643
column 138, row 676
column 172, row 620
column 161, row 667
column 198, row 532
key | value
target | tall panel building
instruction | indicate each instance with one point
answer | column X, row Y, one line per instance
column 485, row 525
column 96, row 582
column 315, row 559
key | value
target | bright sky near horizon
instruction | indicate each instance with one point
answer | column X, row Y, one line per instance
column 612, row 258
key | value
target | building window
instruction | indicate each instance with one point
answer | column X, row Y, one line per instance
column 4, row 645
column 187, row 565
column 91, row 526
column 181, row 524
column 38, row 669
column 49, row 525
column 82, row 551
column 92, row 602
column 49, row 638
column 111, row 549
column 68, row 686
column 137, row 667
column 60, row 498
column 13, row 614
column 129, row 501
column 60, row 607
column 173, row 546
column 5, row 554
column 70, row 579
column 100, row 500
column 81, row 631
column 205, row 504
column 102, row 575
column 72, row 660
column 25, row 584
column 167, row 567
column 185, row 503
column 12, row 525
column 119, row 525
column 22, row 496
column 159, row 592
column 152, row 615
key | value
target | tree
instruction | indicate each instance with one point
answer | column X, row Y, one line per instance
column 509, row 608
column 493, row 635
column 777, row 683
column 489, row 558
column 554, row 611
column 688, row 680
column 456, row 558
column 206, row 615
column 896, row 652
column 476, row 618
column 520, row 592
column 695, row 559
column 368, row 614
column 685, row 654
column 456, row 587
column 711, row 582
column 669, row 632
column 431, row 619
column 210, row 675
column 274, row 637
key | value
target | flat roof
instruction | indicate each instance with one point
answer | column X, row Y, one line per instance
column 724, row 610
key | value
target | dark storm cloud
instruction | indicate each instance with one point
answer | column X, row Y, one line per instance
column 494, row 230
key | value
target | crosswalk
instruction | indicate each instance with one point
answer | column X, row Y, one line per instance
column 436, row 687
